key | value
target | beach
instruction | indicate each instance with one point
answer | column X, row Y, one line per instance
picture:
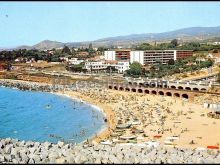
column 186, row 120
column 141, row 128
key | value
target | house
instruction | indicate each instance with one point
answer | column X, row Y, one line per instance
column 75, row 61
column 83, row 53
column 216, row 57
column 3, row 66
column 121, row 66
column 64, row 59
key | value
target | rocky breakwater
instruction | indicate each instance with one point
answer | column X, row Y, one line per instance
column 34, row 86
column 15, row 151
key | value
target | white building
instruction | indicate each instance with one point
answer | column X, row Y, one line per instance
column 122, row 66
column 216, row 43
column 75, row 61
column 95, row 65
column 109, row 55
column 148, row 56
column 137, row 56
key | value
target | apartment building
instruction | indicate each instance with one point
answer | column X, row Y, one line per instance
column 118, row 55
column 147, row 56
column 163, row 56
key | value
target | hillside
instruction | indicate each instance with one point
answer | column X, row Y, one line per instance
column 184, row 35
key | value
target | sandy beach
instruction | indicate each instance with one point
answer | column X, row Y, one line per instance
column 186, row 120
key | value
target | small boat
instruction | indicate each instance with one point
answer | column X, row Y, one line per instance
column 157, row 136
column 107, row 142
column 123, row 126
column 213, row 147
column 132, row 141
column 136, row 123
column 172, row 138
column 117, row 141
column 140, row 138
column 168, row 145
column 200, row 148
column 167, row 142
column 128, row 137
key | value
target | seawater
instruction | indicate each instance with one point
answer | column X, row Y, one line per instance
column 42, row 116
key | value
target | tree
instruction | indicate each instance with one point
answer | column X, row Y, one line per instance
column 66, row 50
column 215, row 51
column 90, row 50
column 90, row 46
column 135, row 69
column 171, row 62
column 174, row 42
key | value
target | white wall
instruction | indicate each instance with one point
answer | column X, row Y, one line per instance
column 174, row 55
column 137, row 56
column 109, row 55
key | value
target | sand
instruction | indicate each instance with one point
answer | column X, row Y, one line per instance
column 179, row 122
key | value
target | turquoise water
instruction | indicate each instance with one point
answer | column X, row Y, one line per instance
column 41, row 116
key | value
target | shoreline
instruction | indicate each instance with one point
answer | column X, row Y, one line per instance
column 185, row 119
column 103, row 131
column 107, row 112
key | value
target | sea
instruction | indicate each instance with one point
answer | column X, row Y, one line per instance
column 42, row 116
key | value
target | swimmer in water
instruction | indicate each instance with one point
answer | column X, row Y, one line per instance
column 48, row 106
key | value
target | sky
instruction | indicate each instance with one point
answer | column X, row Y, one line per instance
column 28, row 23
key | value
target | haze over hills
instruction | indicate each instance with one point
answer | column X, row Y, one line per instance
column 184, row 35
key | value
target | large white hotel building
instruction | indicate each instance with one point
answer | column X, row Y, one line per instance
column 147, row 56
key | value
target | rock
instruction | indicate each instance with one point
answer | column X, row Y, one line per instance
column 22, row 143
column 60, row 144
column 8, row 158
column 43, row 155
column 97, row 161
column 2, row 145
column 32, row 149
column 77, row 159
column 47, row 145
column 36, row 144
column 53, row 156
column 60, row 161
column 14, row 151
column 70, row 158
column 31, row 161
column 7, row 140
column 15, row 161
column 2, row 158
column 105, row 161
column 8, row 149
column 29, row 144
column 36, row 158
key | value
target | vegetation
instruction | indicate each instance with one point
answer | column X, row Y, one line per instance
column 159, row 70
column 76, row 68
column 195, row 46
column 50, row 56
column 135, row 69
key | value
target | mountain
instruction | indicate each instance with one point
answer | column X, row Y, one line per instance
column 192, row 32
column 184, row 35
column 47, row 44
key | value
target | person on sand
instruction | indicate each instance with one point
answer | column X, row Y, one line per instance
column 192, row 142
